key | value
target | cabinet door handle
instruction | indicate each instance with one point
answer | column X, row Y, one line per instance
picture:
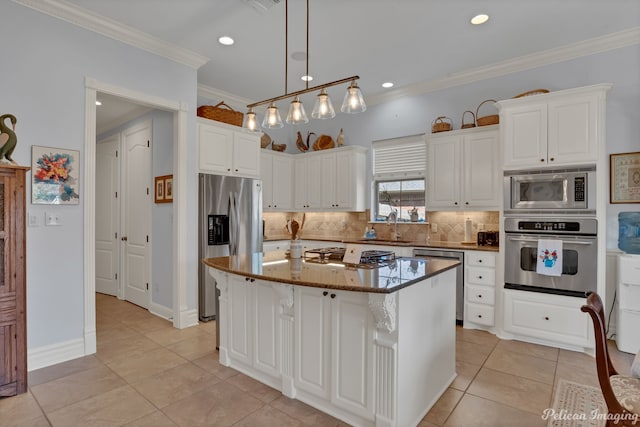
column 333, row 295
column 228, row 170
column 455, row 203
column 479, row 260
column 542, row 160
column 546, row 317
column 479, row 277
column 236, row 170
column 252, row 280
column 479, row 295
column 551, row 159
column 123, row 238
column 325, row 293
column 479, row 316
column 466, row 203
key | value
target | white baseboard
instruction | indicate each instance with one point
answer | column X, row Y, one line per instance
column 161, row 310
column 187, row 318
column 48, row 355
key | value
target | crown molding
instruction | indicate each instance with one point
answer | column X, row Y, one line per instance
column 213, row 94
column 108, row 27
column 522, row 63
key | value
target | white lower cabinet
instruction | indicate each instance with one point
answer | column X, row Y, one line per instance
column 549, row 319
column 253, row 335
column 479, row 289
column 627, row 336
column 333, row 351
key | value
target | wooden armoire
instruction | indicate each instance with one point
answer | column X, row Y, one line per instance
column 13, row 311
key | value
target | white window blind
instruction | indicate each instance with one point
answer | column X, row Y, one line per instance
column 403, row 157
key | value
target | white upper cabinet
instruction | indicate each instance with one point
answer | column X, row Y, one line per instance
column 561, row 128
column 463, row 169
column 330, row 180
column 276, row 172
column 227, row 150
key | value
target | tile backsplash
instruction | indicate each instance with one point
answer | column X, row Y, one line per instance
column 352, row 225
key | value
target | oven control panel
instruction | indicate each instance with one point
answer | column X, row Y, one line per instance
column 548, row 226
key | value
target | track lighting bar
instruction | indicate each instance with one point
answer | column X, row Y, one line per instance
column 303, row 91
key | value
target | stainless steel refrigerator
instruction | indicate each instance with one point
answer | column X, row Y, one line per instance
column 230, row 223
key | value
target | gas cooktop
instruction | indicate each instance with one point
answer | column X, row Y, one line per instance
column 368, row 259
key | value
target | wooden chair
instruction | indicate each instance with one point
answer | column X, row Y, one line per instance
column 621, row 393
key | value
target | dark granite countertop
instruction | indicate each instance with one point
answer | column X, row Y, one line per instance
column 275, row 267
column 405, row 243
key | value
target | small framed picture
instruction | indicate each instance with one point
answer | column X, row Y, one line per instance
column 625, row 178
column 164, row 189
column 168, row 188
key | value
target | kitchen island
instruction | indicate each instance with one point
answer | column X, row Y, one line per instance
column 370, row 346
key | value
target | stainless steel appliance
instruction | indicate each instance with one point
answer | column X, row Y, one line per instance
column 229, row 223
column 579, row 252
column 544, row 191
column 434, row 253
column 488, row 238
column 368, row 259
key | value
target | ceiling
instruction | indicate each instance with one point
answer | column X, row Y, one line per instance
column 408, row 42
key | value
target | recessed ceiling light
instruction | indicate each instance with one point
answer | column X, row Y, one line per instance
column 387, row 84
column 225, row 40
column 98, row 103
column 479, row 19
column 307, row 78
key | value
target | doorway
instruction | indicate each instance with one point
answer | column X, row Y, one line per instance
column 182, row 316
column 123, row 214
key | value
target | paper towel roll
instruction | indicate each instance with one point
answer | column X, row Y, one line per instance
column 467, row 230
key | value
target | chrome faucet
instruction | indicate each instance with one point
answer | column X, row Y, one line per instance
column 393, row 216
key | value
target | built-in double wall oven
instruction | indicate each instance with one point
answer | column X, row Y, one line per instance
column 551, row 241
column 523, row 252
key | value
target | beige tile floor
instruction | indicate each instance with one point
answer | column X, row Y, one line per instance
column 146, row 373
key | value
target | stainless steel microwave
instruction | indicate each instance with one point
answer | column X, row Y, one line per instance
column 550, row 191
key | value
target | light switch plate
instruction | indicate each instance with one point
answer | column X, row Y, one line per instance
column 33, row 220
column 434, row 228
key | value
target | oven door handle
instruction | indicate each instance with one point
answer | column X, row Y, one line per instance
column 569, row 242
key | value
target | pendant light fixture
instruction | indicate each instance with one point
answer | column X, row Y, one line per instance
column 272, row 118
column 251, row 121
column 323, row 109
column 353, row 100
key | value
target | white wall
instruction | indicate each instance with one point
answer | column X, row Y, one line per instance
column 414, row 115
column 45, row 62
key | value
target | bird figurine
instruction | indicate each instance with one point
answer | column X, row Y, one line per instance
column 340, row 138
column 300, row 143
column 8, row 138
column 308, row 138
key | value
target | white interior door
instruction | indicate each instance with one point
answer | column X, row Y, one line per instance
column 107, row 215
column 136, row 218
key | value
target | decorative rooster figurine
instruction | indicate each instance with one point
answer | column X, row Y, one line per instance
column 8, row 138
column 308, row 138
column 300, row 143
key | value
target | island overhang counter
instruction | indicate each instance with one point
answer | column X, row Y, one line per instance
column 370, row 346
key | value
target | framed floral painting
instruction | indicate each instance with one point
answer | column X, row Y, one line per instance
column 54, row 174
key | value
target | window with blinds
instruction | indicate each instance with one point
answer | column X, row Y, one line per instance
column 400, row 157
column 399, row 170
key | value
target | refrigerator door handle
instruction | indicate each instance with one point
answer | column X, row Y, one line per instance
column 234, row 223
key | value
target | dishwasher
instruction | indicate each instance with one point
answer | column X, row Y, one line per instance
column 457, row 255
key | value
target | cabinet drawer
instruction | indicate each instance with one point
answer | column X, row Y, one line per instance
column 480, row 294
column 552, row 317
column 482, row 259
column 481, row 314
column 629, row 269
column 628, row 339
column 480, row 276
column 629, row 294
